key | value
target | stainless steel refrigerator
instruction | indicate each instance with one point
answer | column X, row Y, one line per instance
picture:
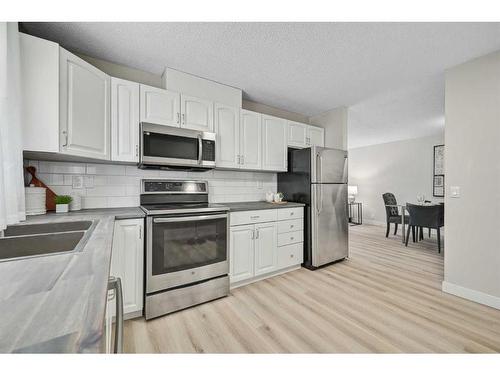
column 317, row 176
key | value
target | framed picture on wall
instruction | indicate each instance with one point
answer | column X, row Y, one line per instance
column 438, row 182
column 438, row 186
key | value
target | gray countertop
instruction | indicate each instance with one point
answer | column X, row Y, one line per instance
column 56, row 303
column 249, row 206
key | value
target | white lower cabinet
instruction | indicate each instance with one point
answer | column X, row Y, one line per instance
column 127, row 263
column 264, row 243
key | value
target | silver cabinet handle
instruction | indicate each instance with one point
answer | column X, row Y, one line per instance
column 257, row 233
column 65, row 133
column 254, row 217
column 239, row 159
column 242, row 159
column 291, row 238
column 291, row 226
column 115, row 284
column 291, row 255
column 291, row 213
column 178, row 118
column 140, row 233
column 136, row 150
column 183, row 118
column 252, row 236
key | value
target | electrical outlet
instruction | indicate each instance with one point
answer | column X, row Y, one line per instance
column 455, row 191
column 77, row 182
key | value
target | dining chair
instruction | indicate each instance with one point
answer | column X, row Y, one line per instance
column 392, row 212
column 431, row 217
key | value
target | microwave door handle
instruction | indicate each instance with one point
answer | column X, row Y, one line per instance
column 188, row 218
column 200, row 149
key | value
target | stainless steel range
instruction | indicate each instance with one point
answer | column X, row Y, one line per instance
column 187, row 245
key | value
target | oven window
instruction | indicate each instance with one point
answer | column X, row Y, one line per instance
column 170, row 146
column 179, row 246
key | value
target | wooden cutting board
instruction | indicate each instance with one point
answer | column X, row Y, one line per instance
column 50, row 203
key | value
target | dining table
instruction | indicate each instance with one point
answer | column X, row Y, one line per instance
column 402, row 211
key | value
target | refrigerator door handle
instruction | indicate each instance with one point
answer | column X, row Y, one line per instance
column 318, row 198
column 318, row 167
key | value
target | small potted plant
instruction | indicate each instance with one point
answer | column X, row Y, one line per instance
column 62, row 203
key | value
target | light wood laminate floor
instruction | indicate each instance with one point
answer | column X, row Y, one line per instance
column 384, row 298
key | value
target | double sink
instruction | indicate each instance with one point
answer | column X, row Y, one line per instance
column 29, row 240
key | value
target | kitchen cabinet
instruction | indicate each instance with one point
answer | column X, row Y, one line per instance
column 264, row 243
column 265, row 248
column 303, row 135
column 84, row 103
column 250, row 140
column 297, row 134
column 197, row 113
column 274, row 143
column 241, row 254
column 227, row 129
column 124, row 120
column 127, row 263
column 160, row 106
column 315, row 136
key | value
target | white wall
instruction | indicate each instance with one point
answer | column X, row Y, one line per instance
column 472, row 132
column 404, row 168
column 335, row 124
column 114, row 185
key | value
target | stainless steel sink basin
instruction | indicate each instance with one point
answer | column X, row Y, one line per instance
column 24, row 246
column 31, row 240
column 27, row 229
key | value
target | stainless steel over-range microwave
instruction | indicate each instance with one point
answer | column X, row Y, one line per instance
column 175, row 148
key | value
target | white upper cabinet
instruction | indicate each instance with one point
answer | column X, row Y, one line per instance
column 227, row 128
column 84, row 108
column 274, row 143
column 297, row 134
column 266, row 254
column 124, row 120
column 159, row 106
column 315, row 136
column 250, row 140
column 197, row 114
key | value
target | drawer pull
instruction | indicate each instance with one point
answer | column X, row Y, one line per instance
column 254, row 217
column 291, row 255
column 291, row 226
column 291, row 238
column 291, row 213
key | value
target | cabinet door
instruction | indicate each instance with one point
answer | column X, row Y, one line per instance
column 127, row 262
column 84, row 108
column 274, row 143
column 297, row 134
column 197, row 114
column 124, row 120
column 159, row 106
column 265, row 248
column 227, row 128
column 241, row 253
column 250, row 140
column 315, row 136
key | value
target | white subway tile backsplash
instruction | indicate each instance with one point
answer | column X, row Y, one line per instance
column 61, row 167
column 108, row 185
column 106, row 169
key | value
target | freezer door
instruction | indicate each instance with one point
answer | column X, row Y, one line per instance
column 328, row 165
column 330, row 241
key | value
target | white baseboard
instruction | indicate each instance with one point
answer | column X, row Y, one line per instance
column 374, row 222
column 471, row 294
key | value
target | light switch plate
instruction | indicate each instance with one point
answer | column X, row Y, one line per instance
column 455, row 191
column 77, row 182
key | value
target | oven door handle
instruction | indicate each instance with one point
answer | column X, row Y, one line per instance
column 188, row 218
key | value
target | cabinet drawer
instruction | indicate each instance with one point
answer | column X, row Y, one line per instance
column 289, row 238
column 286, row 226
column 290, row 213
column 290, row 255
column 251, row 217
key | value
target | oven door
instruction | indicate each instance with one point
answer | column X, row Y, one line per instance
column 186, row 249
column 169, row 146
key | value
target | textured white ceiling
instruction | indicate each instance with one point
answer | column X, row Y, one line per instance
column 377, row 68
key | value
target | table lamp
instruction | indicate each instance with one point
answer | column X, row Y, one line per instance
column 352, row 191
